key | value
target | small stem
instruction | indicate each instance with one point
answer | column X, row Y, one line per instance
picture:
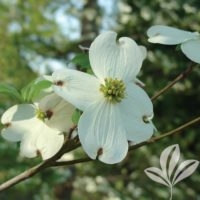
column 72, row 162
column 171, row 192
column 181, row 76
column 23, row 176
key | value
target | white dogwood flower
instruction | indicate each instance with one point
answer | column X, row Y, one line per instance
column 115, row 109
column 190, row 41
column 38, row 126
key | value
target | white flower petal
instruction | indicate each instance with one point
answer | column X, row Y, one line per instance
column 34, row 134
column 49, row 101
column 100, row 130
column 28, row 148
column 15, row 121
column 41, row 139
column 62, row 117
column 143, row 51
column 133, row 108
column 14, row 131
column 142, row 131
column 120, row 60
column 192, row 50
column 169, row 35
column 49, row 142
column 78, row 88
column 137, row 101
column 59, row 111
column 17, row 113
column 28, row 142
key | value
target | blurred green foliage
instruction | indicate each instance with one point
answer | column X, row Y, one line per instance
column 31, row 35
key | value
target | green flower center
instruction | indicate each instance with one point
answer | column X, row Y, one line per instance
column 43, row 115
column 113, row 90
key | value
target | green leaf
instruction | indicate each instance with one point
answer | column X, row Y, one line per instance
column 10, row 91
column 75, row 116
column 33, row 90
column 81, row 60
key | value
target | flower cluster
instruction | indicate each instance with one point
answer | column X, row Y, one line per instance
column 115, row 109
column 40, row 126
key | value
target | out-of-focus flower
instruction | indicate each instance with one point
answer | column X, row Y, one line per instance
column 189, row 41
column 39, row 127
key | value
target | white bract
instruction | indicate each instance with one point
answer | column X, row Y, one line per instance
column 115, row 109
column 38, row 126
column 190, row 41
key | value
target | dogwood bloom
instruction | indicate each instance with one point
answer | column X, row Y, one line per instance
column 115, row 109
column 190, row 41
column 38, row 126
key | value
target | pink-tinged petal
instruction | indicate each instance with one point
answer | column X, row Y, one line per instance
column 101, row 133
column 192, row 50
column 109, row 58
column 78, row 88
column 58, row 111
column 169, row 35
column 136, row 107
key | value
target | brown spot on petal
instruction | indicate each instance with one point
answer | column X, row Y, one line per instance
column 38, row 152
column 139, row 84
column 59, row 83
column 7, row 125
column 49, row 114
column 145, row 119
column 99, row 152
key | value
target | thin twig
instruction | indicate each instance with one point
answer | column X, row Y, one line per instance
column 71, row 162
column 53, row 163
column 23, row 176
column 181, row 76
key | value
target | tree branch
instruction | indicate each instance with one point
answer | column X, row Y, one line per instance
column 181, row 76
column 23, row 176
column 53, row 163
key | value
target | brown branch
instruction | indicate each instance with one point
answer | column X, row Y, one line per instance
column 53, row 163
column 23, row 176
column 71, row 162
column 181, row 76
